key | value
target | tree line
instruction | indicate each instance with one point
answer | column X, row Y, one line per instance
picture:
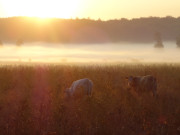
column 30, row 29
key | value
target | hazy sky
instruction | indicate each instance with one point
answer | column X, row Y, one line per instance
column 104, row 9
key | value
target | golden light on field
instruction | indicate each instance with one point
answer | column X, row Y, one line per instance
column 43, row 8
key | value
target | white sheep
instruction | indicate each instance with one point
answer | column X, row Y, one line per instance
column 85, row 83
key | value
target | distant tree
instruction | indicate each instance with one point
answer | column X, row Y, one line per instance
column 157, row 37
column 99, row 19
column 1, row 43
column 178, row 41
column 19, row 42
column 124, row 19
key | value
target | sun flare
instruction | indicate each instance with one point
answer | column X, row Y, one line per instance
column 44, row 8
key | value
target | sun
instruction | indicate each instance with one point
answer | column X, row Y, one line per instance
column 54, row 8
column 43, row 8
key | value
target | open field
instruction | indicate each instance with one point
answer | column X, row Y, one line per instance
column 32, row 101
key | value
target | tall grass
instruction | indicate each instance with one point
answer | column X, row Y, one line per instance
column 32, row 101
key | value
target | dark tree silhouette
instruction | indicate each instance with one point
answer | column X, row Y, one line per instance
column 157, row 37
column 178, row 41
column 1, row 43
column 88, row 30
column 19, row 42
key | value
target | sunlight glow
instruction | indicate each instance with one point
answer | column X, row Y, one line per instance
column 94, row 9
column 43, row 8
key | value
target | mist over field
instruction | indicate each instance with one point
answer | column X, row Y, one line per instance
column 85, row 53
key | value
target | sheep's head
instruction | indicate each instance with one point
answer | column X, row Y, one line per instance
column 131, row 81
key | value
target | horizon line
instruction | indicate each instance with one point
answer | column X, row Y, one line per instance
column 89, row 18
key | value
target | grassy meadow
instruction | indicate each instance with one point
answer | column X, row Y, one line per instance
column 32, row 101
